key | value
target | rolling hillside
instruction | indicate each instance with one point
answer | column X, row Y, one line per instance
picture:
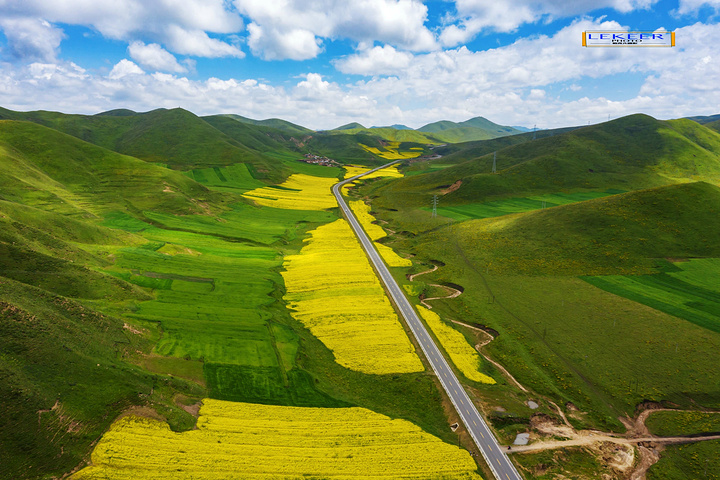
column 275, row 123
column 629, row 153
column 478, row 128
column 177, row 138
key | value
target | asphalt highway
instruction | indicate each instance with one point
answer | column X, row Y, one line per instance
column 494, row 455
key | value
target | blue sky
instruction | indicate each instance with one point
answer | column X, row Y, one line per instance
column 324, row 63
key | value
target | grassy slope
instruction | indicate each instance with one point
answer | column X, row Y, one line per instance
column 477, row 128
column 53, row 171
column 392, row 135
column 629, row 153
column 275, row 123
column 532, row 313
column 715, row 125
column 174, row 137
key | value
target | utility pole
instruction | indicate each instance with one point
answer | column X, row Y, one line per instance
column 434, row 210
column 494, row 168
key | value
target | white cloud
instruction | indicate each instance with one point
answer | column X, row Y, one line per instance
column 474, row 16
column 383, row 60
column 270, row 44
column 519, row 84
column 124, row 68
column 279, row 24
column 31, row 38
column 688, row 7
column 198, row 43
column 153, row 56
column 161, row 20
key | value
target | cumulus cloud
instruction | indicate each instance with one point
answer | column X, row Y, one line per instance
column 163, row 20
column 124, row 68
column 198, row 43
column 473, row 16
column 693, row 6
column 383, row 60
column 295, row 28
column 516, row 84
column 271, row 44
column 31, row 39
column 154, row 57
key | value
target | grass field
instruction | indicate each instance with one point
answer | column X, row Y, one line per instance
column 333, row 291
column 517, row 205
column 670, row 423
column 376, row 232
column 688, row 295
column 696, row 461
column 270, row 442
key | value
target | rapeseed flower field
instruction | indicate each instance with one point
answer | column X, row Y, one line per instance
column 335, row 293
column 267, row 442
column 392, row 152
column 375, row 232
column 298, row 192
column 392, row 172
column 462, row 354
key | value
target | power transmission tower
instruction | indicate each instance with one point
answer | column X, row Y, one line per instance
column 534, row 131
column 435, row 202
column 494, row 168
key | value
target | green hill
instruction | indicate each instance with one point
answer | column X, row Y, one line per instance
column 477, row 128
column 630, row 153
column 176, row 137
column 349, row 126
column 619, row 234
column 257, row 137
column 276, row 123
column 705, row 119
column 392, row 135
column 715, row 125
column 47, row 169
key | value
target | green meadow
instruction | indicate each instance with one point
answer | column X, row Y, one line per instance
column 517, row 205
column 674, row 292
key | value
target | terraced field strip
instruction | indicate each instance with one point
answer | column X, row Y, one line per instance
column 263, row 442
column 334, row 292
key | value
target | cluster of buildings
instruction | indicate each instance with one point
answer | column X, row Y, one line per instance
column 318, row 160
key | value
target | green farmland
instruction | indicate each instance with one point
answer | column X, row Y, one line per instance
column 517, row 205
column 689, row 294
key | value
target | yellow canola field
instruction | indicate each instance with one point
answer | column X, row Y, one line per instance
column 462, row 354
column 264, row 442
column 351, row 171
column 391, row 151
column 374, row 231
column 298, row 192
column 335, row 293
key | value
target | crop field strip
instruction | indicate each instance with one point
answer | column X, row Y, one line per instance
column 376, row 232
column 687, row 295
column 516, row 205
column 461, row 353
column 334, row 292
column 391, row 151
column 272, row 443
column 299, row 192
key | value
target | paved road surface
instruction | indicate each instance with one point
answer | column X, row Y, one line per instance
column 475, row 424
